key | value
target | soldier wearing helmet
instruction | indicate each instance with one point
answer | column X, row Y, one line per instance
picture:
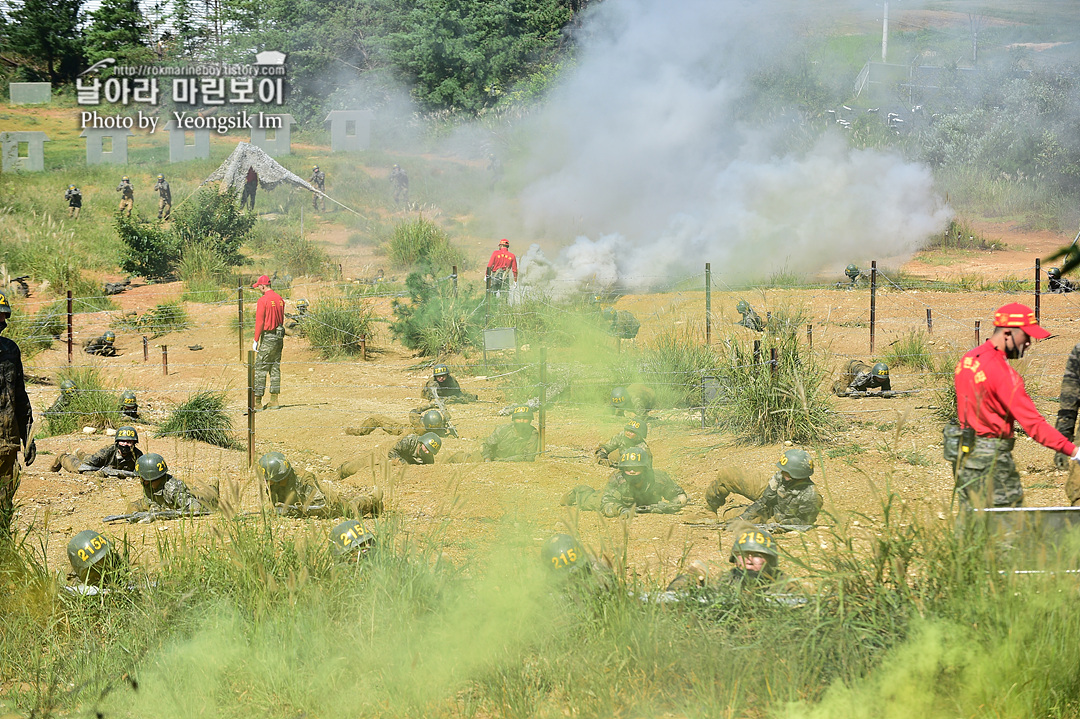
column 753, row 552
column 416, row 449
column 400, row 181
column 129, row 405
column 16, row 421
column 750, row 319
column 92, row 557
column 636, row 486
column 633, row 435
column 68, row 392
column 1058, row 284
column 859, row 378
column 568, row 561
column 854, row 275
column 349, row 542
column 74, row 199
column 164, row 197
column 789, row 497
column 300, row 494
column 161, row 490
column 620, row 323
column 499, row 267
column 443, row 386
column 127, row 196
column 318, row 181
column 515, row 442
column 638, row 399
column 428, row 418
column 103, row 345
column 118, row 459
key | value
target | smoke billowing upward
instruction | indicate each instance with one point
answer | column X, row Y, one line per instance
column 658, row 155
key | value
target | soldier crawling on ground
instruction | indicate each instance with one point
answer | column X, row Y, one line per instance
column 756, row 570
column 300, row 494
column 620, row 323
column 1058, row 284
column 443, row 386
column 569, row 562
column 415, row 449
column 788, row 498
column 349, row 542
column 634, row 487
column 750, row 319
column 859, row 378
column 428, row 418
column 94, row 562
column 161, row 490
column 68, row 390
column 515, row 442
column 102, row 346
column 854, row 276
column 636, row 398
column 633, row 435
column 129, row 405
column 294, row 321
column 118, row 459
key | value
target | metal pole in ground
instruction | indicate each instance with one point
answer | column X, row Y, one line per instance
column 453, row 274
column 251, row 407
column 708, row 307
column 810, row 336
column 165, row 360
column 363, row 349
column 873, row 302
column 240, row 316
column 774, row 362
column 70, row 325
column 929, row 321
column 145, row 349
column 543, row 396
column 757, row 351
column 1038, row 286
column 978, row 339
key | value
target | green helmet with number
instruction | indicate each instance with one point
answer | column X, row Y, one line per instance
column 302, row 304
column 349, row 537
column 880, row 370
column 127, row 434
column 128, row 399
column 433, row 419
column 440, row 370
column 86, row 549
column 274, row 468
column 151, row 467
column 636, row 427
column 754, row 539
column 798, row 463
column 522, row 413
column 563, row 554
column 1054, row 273
column 5, row 305
column 431, row 442
column 639, row 458
column 67, row 387
column 742, row 307
column 851, row 271
column 110, row 336
column 619, row 396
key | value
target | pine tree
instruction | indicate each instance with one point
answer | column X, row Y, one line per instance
column 45, row 34
column 118, row 29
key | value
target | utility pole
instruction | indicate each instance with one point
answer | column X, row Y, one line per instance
column 885, row 33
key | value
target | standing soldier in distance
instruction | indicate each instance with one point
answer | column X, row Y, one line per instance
column 74, row 200
column 269, row 339
column 164, row 197
column 400, row 181
column 127, row 196
column 990, row 398
column 16, row 421
column 318, row 179
column 499, row 267
column 251, row 185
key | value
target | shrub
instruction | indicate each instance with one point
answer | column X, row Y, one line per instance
column 150, row 251
column 205, row 275
column 911, row 350
column 213, row 220
column 301, row 256
column 94, row 405
column 335, row 327
column 201, row 417
column 945, row 394
column 673, row 364
column 433, row 321
column 37, row 332
column 157, row 321
column 424, row 246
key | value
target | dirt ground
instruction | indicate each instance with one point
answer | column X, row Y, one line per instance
column 884, row 445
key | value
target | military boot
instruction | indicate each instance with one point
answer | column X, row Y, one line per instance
column 56, row 463
column 258, row 402
column 353, row 466
column 372, row 504
column 273, row 403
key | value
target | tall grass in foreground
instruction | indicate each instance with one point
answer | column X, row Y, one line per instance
column 94, row 404
column 202, row 417
column 335, row 327
column 911, row 350
column 247, row 620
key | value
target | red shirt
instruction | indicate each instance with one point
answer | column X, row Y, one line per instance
column 990, row 395
column 502, row 259
column 269, row 313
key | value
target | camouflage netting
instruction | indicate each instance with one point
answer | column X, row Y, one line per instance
column 233, row 172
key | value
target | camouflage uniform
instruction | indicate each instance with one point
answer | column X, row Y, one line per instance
column 1069, row 398
column 74, row 200
column 751, row 320
column 98, row 346
column 164, row 198
column 174, row 494
column 57, row 407
column 448, row 391
column 16, row 419
column 505, row 444
column 318, row 180
column 302, row 495
column 642, row 400
column 793, row 501
column 732, row 481
column 406, row 451
column 108, row 461
column 620, row 497
column 987, row 475
column 859, row 377
column 621, row 323
column 127, row 197
column 374, row 422
column 609, row 452
column 400, row 181
column 1060, row 285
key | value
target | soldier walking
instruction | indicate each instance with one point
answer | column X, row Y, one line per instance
column 251, row 184
column 74, row 200
column 400, row 181
column 164, row 197
column 499, row 267
column 127, row 196
column 318, row 179
column 269, row 340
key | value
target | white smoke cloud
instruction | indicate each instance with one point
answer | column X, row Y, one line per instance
column 653, row 155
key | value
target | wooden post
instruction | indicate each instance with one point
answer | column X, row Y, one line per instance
column 453, row 274
column 708, row 309
column 929, row 321
column 165, row 360
column 70, row 326
column 703, row 397
column 774, row 361
column 978, row 339
column 1038, row 286
column 810, row 336
column 251, row 407
column 145, row 349
column 363, row 349
column 873, row 302
column 240, row 316
column 543, row 396
column 757, row 351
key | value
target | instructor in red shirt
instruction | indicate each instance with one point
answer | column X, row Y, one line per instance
column 500, row 265
column 269, row 339
column 990, row 396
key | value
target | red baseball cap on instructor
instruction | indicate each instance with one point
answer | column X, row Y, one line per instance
column 263, row 281
column 1021, row 317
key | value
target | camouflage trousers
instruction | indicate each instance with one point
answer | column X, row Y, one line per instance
column 734, row 481
column 268, row 359
column 1072, row 484
column 379, row 421
column 583, row 496
column 164, row 208
column 70, row 461
column 987, row 476
column 9, row 484
column 127, row 205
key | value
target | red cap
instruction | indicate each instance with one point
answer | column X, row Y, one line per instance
column 264, row 280
column 504, row 243
column 1021, row 317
